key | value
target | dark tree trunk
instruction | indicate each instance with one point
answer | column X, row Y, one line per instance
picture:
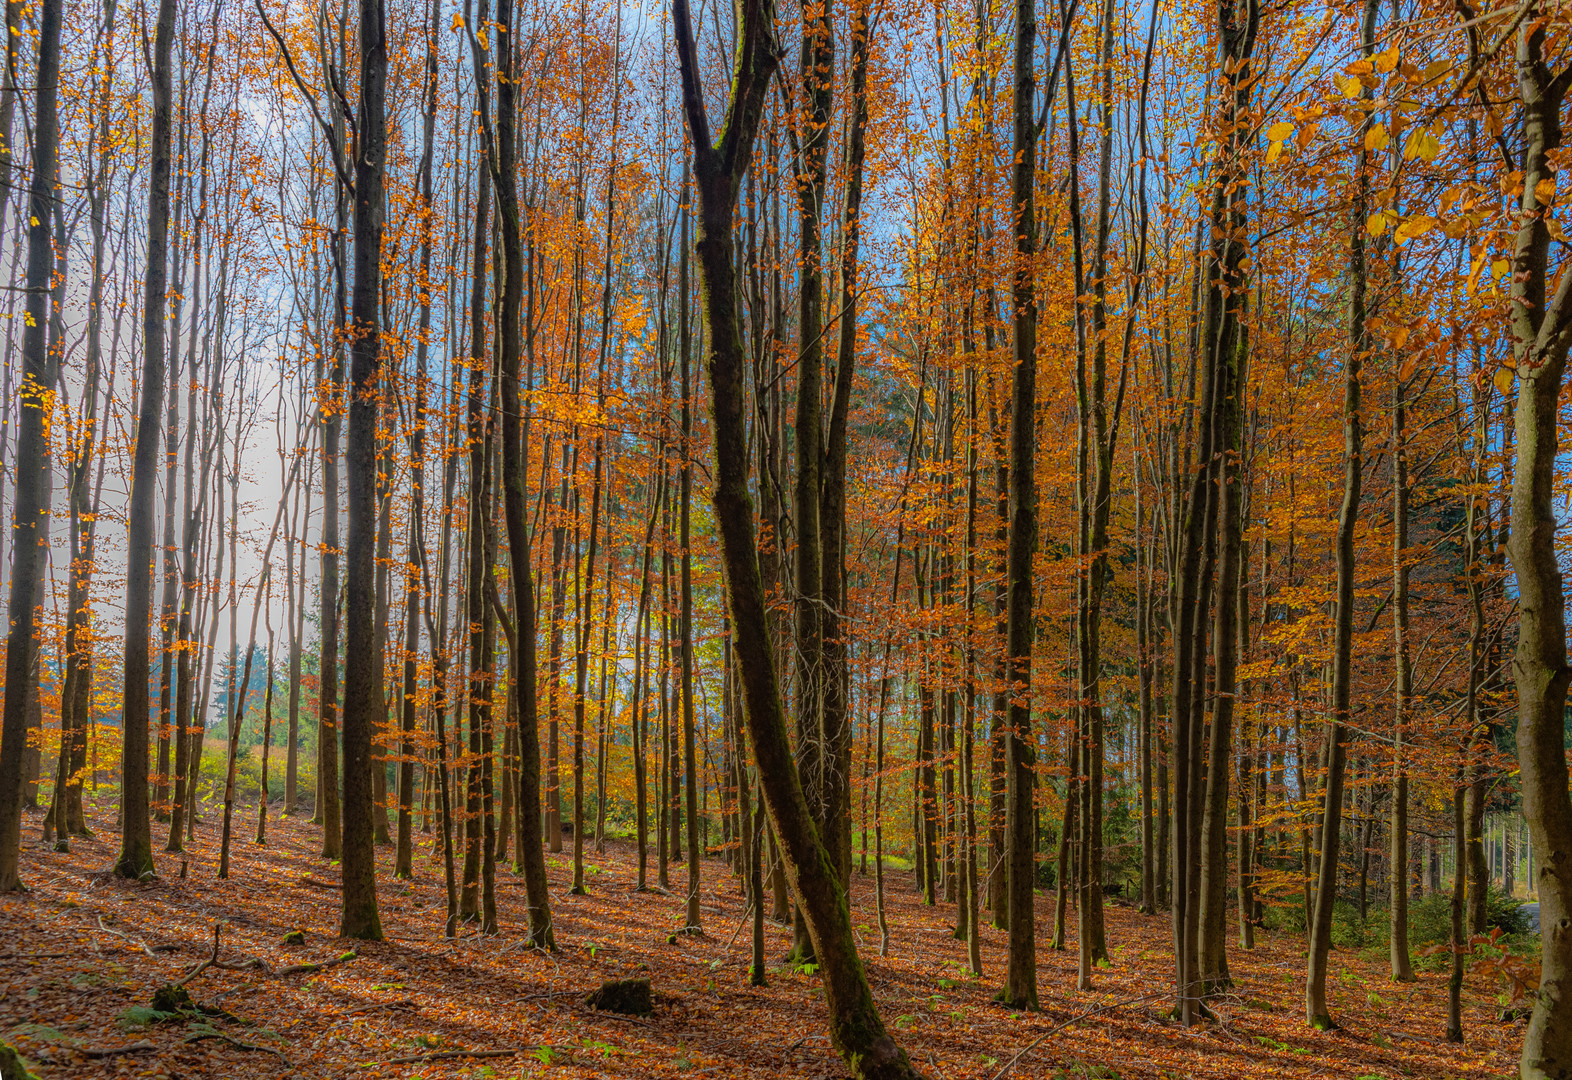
column 521, row 577
column 1020, row 982
column 1317, row 1011
column 364, row 704
column 30, row 523
column 136, row 840
column 856, row 1029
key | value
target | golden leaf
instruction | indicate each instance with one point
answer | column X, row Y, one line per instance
column 1503, row 381
column 1417, row 225
column 1377, row 138
column 1279, row 131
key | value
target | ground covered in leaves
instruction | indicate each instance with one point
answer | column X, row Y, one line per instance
column 82, row 955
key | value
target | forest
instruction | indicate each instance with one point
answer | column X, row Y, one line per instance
column 887, row 538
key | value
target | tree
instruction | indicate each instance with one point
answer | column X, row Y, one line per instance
column 856, row 1029
column 1541, row 334
column 1359, row 344
column 1020, row 981
column 363, row 703
column 30, row 526
column 136, row 840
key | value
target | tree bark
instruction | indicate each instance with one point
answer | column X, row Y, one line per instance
column 521, row 576
column 1541, row 333
column 1020, row 981
column 30, row 522
column 136, row 842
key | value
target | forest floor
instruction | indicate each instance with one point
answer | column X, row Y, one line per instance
column 82, row 954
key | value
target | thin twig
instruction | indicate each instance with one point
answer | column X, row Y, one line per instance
column 405, row 1003
column 298, row 969
column 1060, row 1027
column 122, row 934
column 111, row 1051
column 236, row 1043
column 441, row 1055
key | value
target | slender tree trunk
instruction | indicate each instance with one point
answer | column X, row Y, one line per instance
column 691, row 922
column 1316, row 1009
column 1454, row 982
column 364, row 704
column 136, row 842
column 30, row 522
column 1397, row 866
column 521, row 577
column 404, row 856
column 1020, row 982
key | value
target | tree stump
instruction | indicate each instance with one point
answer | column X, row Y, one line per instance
column 631, row 997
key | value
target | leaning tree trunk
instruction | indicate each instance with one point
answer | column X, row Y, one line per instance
column 856, row 1029
column 1541, row 333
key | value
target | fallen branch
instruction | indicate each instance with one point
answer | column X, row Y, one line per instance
column 300, row 969
column 122, row 934
column 443, row 1055
column 111, row 1051
column 602, row 1015
column 1029, row 1047
column 236, row 1043
column 406, row 1003
column 307, row 879
column 205, row 964
column 35, row 955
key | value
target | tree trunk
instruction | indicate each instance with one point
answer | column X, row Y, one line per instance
column 136, row 842
column 1316, row 1009
column 1540, row 339
column 364, row 704
column 521, row 576
column 1403, row 675
column 856, row 1029
column 30, row 523
column 1020, row 981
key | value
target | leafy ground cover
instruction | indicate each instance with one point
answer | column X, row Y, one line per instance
column 82, row 955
